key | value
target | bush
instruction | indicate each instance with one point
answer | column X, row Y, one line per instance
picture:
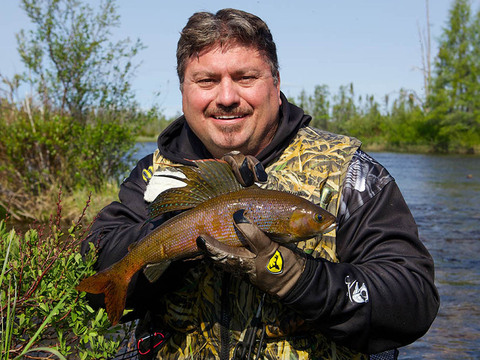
column 40, row 151
column 43, row 152
column 41, row 310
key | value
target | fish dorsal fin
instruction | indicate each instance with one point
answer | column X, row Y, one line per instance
column 210, row 178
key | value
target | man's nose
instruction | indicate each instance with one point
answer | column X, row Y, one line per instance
column 227, row 95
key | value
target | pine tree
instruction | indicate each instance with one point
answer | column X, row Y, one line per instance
column 454, row 100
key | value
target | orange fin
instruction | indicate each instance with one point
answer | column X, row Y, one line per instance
column 113, row 286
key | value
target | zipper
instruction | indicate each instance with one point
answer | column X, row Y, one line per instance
column 225, row 318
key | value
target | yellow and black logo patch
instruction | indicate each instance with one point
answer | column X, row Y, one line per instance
column 275, row 264
column 147, row 173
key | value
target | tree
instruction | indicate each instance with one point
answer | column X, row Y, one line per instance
column 425, row 48
column 316, row 105
column 343, row 109
column 454, row 100
column 70, row 60
column 404, row 125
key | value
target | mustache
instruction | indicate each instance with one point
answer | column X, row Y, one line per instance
column 230, row 111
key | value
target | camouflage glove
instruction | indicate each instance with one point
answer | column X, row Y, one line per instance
column 247, row 169
column 271, row 267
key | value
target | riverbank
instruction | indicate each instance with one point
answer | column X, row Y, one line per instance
column 416, row 149
column 70, row 206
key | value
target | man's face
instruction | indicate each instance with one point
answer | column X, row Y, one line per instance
column 230, row 100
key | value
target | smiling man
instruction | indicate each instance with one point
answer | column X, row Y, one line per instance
column 231, row 99
column 365, row 288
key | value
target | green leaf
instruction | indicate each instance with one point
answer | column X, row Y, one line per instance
column 45, row 349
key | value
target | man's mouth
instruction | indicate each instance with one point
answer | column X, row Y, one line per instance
column 227, row 117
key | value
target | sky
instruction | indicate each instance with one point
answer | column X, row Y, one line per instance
column 374, row 44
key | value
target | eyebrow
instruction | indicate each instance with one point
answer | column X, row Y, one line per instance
column 202, row 73
column 207, row 73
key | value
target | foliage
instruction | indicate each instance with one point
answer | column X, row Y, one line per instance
column 45, row 151
column 70, row 61
column 316, row 105
column 343, row 109
column 152, row 123
column 399, row 126
column 404, row 125
column 454, row 103
column 43, row 313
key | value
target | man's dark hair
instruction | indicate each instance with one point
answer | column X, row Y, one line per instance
column 226, row 27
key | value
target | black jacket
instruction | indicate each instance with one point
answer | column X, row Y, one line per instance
column 377, row 245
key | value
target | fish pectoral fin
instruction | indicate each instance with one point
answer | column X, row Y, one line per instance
column 154, row 271
column 132, row 246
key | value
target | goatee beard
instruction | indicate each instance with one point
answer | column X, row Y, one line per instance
column 230, row 129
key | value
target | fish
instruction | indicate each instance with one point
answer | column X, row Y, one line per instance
column 209, row 198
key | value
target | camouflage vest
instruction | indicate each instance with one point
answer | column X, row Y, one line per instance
column 195, row 312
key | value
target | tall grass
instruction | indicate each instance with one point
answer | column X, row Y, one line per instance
column 10, row 298
column 8, row 314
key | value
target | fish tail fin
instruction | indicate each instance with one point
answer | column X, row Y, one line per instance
column 113, row 286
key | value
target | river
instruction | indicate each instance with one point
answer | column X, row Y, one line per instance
column 443, row 193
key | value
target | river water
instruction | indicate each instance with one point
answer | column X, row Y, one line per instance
column 443, row 193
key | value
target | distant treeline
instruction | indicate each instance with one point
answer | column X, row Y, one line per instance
column 400, row 126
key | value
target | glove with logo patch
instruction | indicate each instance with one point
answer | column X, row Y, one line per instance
column 271, row 267
column 247, row 169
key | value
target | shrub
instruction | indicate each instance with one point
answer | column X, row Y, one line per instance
column 42, row 152
column 42, row 312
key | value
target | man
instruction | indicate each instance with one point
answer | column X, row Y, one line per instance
column 365, row 288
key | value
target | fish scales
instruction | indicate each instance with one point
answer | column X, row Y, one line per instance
column 268, row 209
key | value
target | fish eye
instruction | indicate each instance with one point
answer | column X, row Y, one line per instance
column 318, row 217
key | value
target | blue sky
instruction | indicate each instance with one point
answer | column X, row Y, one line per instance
column 373, row 43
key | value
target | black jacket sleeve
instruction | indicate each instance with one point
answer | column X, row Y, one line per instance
column 380, row 255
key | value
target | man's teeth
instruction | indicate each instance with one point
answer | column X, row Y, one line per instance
column 227, row 117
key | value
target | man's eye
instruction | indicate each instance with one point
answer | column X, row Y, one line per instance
column 206, row 82
column 246, row 80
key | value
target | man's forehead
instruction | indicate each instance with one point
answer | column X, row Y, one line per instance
column 241, row 58
column 224, row 47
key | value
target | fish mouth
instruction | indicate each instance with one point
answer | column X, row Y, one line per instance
column 330, row 227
